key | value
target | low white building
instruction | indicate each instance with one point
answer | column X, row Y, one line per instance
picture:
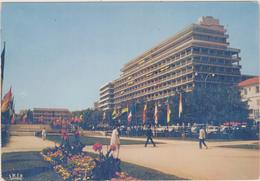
column 250, row 92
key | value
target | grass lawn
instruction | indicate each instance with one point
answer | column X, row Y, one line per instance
column 92, row 140
column 30, row 164
column 246, row 146
column 34, row 168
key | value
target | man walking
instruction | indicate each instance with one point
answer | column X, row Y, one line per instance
column 202, row 136
column 149, row 135
column 44, row 134
column 115, row 139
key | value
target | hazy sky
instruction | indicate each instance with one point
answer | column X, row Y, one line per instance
column 60, row 54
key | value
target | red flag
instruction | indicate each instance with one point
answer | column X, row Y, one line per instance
column 13, row 119
column 144, row 113
column 129, row 118
column 156, row 114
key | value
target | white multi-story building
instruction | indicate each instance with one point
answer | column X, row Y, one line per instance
column 250, row 92
column 106, row 97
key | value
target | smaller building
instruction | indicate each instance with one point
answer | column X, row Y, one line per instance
column 106, row 97
column 250, row 92
column 47, row 115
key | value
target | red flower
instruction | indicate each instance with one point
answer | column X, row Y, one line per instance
column 97, row 147
column 113, row 147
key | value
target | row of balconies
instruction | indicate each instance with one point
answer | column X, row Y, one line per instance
column 149, row 75
column 159, row 50
column 169, row 56
column 173, row 76
column 197, row 50
column 110, row 95
column 109, row 101
column 141, row 94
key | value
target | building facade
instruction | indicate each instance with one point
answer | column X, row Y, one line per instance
column 46, row 115
column 106, row 97
column 199, row 55
column 250, row 92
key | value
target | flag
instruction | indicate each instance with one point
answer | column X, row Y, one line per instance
column 144, row 113
column 156, row 114
column 180, row 106
column 2, row 66
column 11, row 106
column 6, row 101
column 168, row 113
column 129, row 117
column 104, row 115
column 124, row 110
column 24, row 118
column 115, row 114
column 13, row 119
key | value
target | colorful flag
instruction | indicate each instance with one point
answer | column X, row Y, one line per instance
column 114, row 114
column 125, row 110
column 180, row 105
column 6, row 101
column 144, row 113
column 168, row 113
column 129, row 117
column 156, row 114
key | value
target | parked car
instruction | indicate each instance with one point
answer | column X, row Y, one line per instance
column 212, row 129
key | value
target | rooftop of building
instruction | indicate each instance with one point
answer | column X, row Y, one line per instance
column 51, row 109
column 207, row 22
column 251, row 81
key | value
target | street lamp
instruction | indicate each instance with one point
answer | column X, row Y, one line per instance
column 213, row 75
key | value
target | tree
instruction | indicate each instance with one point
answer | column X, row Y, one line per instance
column 214, row 104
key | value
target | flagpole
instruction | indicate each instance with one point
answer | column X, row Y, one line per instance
column 2, row 70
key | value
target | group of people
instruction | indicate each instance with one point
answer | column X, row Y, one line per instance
column 115, row 138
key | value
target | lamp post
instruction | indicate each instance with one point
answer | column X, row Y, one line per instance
column 213, row 75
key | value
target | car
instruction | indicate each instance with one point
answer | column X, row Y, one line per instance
column 212, row 129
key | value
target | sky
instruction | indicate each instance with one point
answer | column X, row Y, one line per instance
column 58, row 55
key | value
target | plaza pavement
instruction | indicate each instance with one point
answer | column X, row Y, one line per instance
column 181, row 158
column 26, row 143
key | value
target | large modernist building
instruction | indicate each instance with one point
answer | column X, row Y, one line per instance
column 250, row 92
column 199, row 55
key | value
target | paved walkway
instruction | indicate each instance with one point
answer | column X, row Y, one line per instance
column 180, row 158
column 26, row 143
column 186, row 160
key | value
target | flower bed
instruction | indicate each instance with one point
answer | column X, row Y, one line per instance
column 82, row 166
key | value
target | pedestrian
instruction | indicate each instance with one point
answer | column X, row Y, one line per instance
column 64, row 138
column 202, row 137
column 149, row 135
column 77, row 135
column 44, row 134
column 115, row 139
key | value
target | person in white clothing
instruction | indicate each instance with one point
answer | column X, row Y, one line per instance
column 44, row 134
column 115, row 139
column 202, row 136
